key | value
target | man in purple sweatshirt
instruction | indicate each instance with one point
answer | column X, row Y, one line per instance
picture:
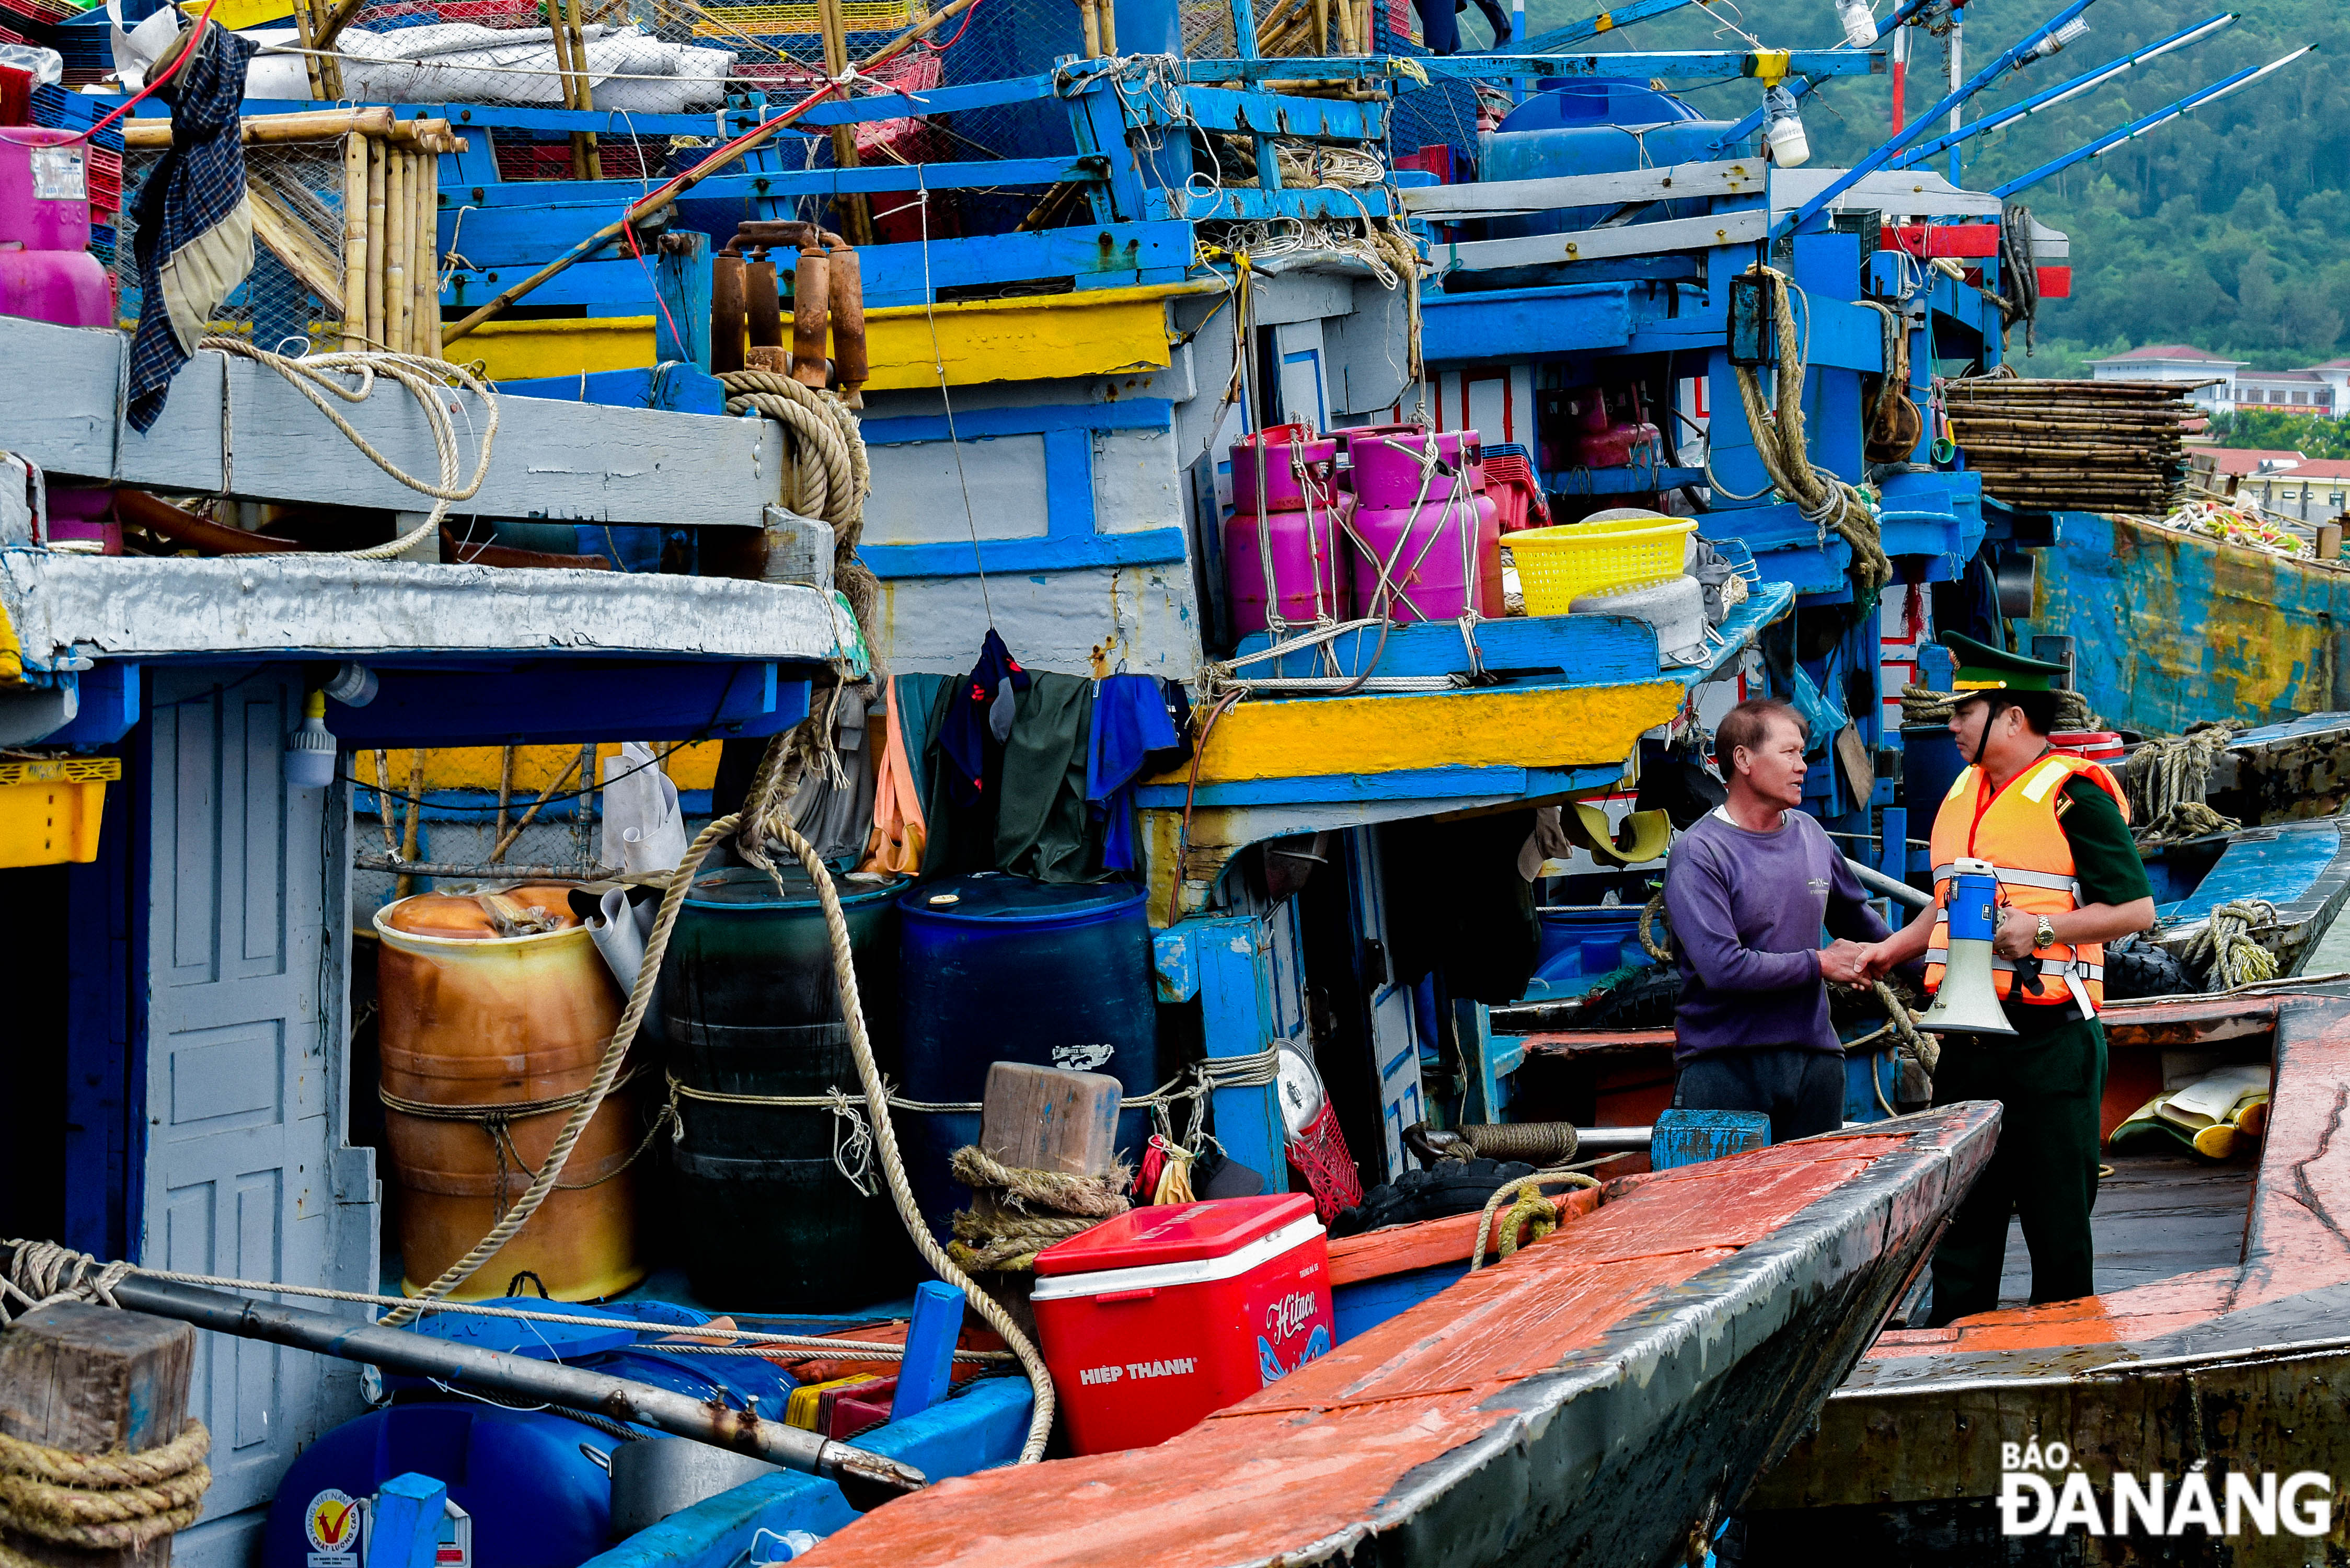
column 1748, row 890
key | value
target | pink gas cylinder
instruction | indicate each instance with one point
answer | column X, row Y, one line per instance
column 1423, row 551
column 45, row 271
column 1304, row 549
column 1610, row 429
column 1294, row 463
column 82, row 514
column 1386, row 471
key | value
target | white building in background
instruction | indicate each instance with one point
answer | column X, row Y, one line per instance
column 2319, row 390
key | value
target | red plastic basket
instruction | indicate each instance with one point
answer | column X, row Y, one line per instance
column 1509, row 481
column 1319, row 1154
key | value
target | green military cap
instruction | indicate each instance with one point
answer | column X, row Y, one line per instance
column 1981, row 667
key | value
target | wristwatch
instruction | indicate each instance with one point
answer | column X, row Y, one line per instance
column 2043, row 935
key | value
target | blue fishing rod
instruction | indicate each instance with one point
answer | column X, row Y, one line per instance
column 1607, row 21
column 2042, row 41
column 2187, row 105
column 2078, row 85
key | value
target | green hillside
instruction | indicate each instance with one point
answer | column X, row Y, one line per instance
column 2224, row 230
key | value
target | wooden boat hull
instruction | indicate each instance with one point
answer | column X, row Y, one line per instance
column 2300, row 868
column 2285, row 772
column 1596, row 1399
column 2241, row 1367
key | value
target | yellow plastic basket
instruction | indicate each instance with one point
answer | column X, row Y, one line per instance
column 49, row 808
column 1558, row 565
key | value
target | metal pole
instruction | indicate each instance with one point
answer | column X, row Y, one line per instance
column 2106, row 143
column 1958, row 104
column 868, row 1479
column 1877, row 881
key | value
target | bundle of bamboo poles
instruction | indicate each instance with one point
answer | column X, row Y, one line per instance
column 387, row 278
column 2078, row 446
column 1306, row 27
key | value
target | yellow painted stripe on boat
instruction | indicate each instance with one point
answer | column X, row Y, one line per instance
column 1549, row 727
column 237, row 14
column 476, row 768
column 522, row 350
column 1093, row 332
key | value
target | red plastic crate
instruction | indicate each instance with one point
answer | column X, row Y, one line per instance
column 1154, row 1319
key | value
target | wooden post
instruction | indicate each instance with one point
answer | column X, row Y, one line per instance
column 1049, row 1119
column 414, row 822
column 355, row 272
column 405, row 1532
column 587, row 158
column 375, row 224
column 927, row 1369
column 2329, row 540
column 855, row 217
column 90, row 1379
column 683, row 278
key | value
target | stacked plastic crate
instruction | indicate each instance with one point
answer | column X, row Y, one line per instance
column 56, row 107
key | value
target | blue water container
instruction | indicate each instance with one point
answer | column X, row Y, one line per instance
column 1581, row 943
column 997, row 968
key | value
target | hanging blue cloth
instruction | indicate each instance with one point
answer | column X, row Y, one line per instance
column 1130, row 722
column 981, row 710
column 194, row 236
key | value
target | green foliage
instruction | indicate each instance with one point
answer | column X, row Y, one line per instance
column 2224, row 230
column 2311, row 435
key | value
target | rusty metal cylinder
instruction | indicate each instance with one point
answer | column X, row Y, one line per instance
column 473, row 1020
column 763, row 304
column 850, row 365
column 811, row 303
column 726, row 306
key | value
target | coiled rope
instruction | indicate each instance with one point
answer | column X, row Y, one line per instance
column 1823, row 500
column 1020, row 1211
column 2226, row 945
column 828, row 477
column 319, row 377
column 114, row 1502
column 1895, row 425
column 1528, row 1209
column 1652, row 920
column 2168, row 779
column 1924, row 705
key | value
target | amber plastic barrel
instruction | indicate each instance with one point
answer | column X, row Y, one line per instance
column 470, row 1018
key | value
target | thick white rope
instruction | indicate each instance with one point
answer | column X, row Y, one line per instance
column 428, row 380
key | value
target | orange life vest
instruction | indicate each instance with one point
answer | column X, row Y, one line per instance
column 2016, row 830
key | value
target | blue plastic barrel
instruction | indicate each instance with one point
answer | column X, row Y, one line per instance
column 536, row 1496
column 996, row 968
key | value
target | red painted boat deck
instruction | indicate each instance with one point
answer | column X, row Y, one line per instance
column 1325, row 1459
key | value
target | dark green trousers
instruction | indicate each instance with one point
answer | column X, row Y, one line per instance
column 2044, row 1170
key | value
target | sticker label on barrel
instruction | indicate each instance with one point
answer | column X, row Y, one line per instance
column 332, row 1521
column 58, row 174
column 1082, row 1058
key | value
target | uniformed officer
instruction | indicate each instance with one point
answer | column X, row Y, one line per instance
column 2057, row 827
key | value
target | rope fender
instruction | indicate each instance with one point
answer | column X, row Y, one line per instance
column 113, row 1501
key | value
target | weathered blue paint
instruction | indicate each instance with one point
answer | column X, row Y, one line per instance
column 1367, row 1303
column 1512, row 323
column 404, row 1523
column 108, row 695
column 1573, row 649
column 1069, row 540
column 925, row 1372
column 1433, row 784
column 104, row 1043
column 1176, row 965
column 2170, row 629
column 1236, row 1017
column 678, row 387
column 1690, row 1138
column 459, row 704
column 681, row 296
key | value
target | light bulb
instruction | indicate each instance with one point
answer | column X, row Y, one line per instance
column 310, row 751
column 1859, row 23
column 2058, row 39
column 1782, row 128
column 352, row 685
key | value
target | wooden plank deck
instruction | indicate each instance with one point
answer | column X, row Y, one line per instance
column 2157, row 1217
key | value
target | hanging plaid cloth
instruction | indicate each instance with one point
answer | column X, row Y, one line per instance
column 194, row 239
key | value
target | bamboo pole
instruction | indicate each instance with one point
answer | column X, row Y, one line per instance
column 305, row 33
column 585, row 154
column 399, row 194
column 355, row 268
column 1089, row 24
column 506, row 797
column 723, row 157
column 423, row 267
column 415, row 821
column 310, row 125
column 856, row 215
column 375, row 224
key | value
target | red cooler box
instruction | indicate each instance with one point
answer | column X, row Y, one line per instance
column 1154, row 1319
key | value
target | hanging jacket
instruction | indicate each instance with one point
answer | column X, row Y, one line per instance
column 2017, row 830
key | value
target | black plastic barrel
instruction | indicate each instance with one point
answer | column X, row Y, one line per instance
column 1003, row 969
column 767, row 1220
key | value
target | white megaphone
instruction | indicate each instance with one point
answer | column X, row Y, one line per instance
column 1967, row 1002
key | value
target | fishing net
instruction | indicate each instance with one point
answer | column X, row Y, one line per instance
column 294, row 296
